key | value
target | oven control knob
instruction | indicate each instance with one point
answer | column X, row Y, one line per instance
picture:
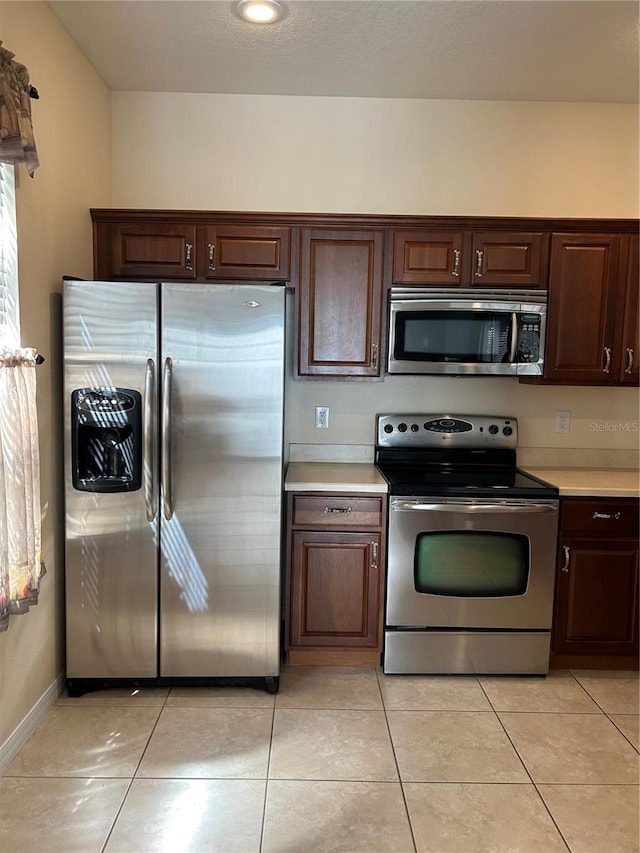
column 507, row 431
column 493, row 429
column 414, row 427
column 388, row 428
column 402, row 427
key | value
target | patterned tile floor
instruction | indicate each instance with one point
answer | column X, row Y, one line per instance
column 341, row 760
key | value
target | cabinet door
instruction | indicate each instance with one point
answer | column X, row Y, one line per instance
column 630, row 361
column 597, row 596
column 255, row 253
column 335, row 589
column 581, row 310
column 158, row 250
column 506, row 259
column 431, row 257
column 339, row 303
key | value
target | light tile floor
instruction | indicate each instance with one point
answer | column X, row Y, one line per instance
column 341, row 760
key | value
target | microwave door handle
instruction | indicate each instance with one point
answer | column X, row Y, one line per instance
column 514, row 338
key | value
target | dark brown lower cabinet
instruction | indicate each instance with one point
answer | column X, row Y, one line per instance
column 335, row 576
column 596, row 609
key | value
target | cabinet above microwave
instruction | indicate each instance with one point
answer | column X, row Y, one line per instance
column 471, row 258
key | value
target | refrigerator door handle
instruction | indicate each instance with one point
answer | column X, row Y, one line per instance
column 167, row 499
column 150, row 496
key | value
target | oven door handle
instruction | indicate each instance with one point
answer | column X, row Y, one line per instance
column 506, row 507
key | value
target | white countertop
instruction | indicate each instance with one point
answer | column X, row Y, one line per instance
column 334, row 477
column 365, row 477
column 596, row 482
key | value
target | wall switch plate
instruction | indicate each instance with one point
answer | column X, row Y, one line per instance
column 322, row 417
column 563, row 421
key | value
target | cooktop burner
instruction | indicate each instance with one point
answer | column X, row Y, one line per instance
column 453, row 455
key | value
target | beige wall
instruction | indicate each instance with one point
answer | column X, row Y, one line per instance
column 72, row 126
column 367, row 155
column 221, row 152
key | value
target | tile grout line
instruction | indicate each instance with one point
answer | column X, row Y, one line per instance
column 606, row 713
column 266, row 781
column 395, row 759
column 533, row 782
column 133, row 776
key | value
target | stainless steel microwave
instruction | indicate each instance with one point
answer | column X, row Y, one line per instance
column 467, row 331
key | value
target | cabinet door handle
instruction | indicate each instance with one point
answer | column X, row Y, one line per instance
column 479, row 256
column 567, row 558
column 629, row 366
column 608, row 515
column 336, row 510
column 607, row 360
column 212, row 256
column 188, row 248
column 374, row 555
column 374, row 355
column 456, row 262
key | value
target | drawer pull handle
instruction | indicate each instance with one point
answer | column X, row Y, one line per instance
column 374, row 555
column 608, row 515
column 332, row 510
column 567, row 558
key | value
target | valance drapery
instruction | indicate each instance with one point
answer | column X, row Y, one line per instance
column 17, row 142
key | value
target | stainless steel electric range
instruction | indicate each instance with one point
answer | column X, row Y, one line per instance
column 471, row 547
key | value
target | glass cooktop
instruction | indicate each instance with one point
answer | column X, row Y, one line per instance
column 423, row 480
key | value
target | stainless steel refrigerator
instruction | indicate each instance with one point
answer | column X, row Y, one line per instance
column 173, row 481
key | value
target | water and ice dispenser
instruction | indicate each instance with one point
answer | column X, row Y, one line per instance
column 106, row 428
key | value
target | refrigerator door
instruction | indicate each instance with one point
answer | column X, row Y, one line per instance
column 111, row 566
column 223, row 363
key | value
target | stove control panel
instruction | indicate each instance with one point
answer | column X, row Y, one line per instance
column 426, row 430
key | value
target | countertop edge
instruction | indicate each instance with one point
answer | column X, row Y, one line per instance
column 590, row 482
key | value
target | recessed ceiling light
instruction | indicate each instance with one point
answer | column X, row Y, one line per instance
column 260, row 11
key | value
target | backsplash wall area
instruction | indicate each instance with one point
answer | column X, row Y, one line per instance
column 604, row 421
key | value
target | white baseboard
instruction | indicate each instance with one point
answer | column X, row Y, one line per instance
column 19, row 736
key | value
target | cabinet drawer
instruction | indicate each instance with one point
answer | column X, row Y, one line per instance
column 336, row 511
column 600, row 516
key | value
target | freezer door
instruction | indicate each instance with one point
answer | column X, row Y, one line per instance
column 111, row 566
column 222, row 363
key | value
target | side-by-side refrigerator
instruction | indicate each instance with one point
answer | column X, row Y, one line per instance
column 173, row 401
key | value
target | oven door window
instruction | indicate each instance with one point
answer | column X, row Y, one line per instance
column 454, row 336
column 471, row 564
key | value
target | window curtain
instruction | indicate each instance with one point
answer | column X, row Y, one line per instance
column 17, row 142
column 21, row 565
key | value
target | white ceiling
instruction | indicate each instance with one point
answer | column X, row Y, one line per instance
column 540, row 50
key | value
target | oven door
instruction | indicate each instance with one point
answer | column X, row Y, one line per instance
column 471, row 563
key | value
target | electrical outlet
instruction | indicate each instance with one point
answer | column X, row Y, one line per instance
column 322, row 417
column 563, row 421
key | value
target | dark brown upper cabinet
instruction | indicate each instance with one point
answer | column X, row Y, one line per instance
column 592, row 318
column 249, row 252
column 158, row 250
column 340, row 303
column 471, row 259
column 185, row 251
column 628, row 311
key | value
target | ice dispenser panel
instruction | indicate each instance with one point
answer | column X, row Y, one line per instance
column 106, row 434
